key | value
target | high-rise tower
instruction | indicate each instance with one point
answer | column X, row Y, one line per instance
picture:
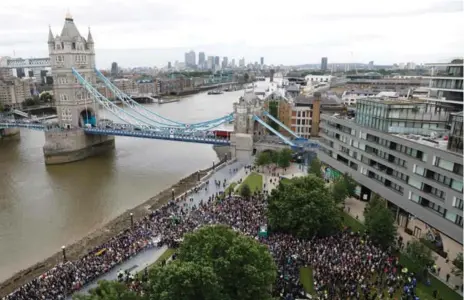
column 75, row 106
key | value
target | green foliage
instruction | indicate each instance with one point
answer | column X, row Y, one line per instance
column 245, row 191
column 109, row 290
column 274, row 111
column 350, row 184
column 46, row 97
column 458, row 265
column 373, row 203
column 339, row 190
column 263, row 159
column 315, row 168
column 183, row 281
column 246, row 77
column 419, row 256
column 303, row 207
column 284, row 158
column 244, row 267
column 380, row 223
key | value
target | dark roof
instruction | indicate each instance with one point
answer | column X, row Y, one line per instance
column 308, row 100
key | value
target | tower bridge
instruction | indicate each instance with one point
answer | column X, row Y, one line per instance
column 79, row 132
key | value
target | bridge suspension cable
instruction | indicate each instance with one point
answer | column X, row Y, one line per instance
column 111, row 107
column 148, row 114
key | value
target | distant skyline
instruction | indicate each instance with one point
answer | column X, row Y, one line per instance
column 153, row 32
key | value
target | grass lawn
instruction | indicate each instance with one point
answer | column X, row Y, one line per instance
column 351, row 222
column 424, row 292
column 254, row 181
column 306, row 278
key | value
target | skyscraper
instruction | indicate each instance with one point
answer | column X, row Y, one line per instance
column 201, row 60
column 114, row 69
column 324, row 64
column 190, row 59
column 262, row 61
column 225, row 62
column 216, row 60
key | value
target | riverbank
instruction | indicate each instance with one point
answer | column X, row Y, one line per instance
column 100, row 236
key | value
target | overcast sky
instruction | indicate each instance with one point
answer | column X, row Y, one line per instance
column 153, row 32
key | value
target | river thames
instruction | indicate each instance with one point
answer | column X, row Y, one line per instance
column 43, row 208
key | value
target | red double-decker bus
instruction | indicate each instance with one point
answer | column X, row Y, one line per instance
column 222, row 133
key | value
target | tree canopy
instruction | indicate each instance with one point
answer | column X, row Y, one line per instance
column 109, row 290
column 339, row 190
column 303, row 207
column 183, row 281
column 245, row 191
column 380, row 223
column 284, row 158
column 244, row 267
column 419, row 255
column 458, row 265
column 315, row 168
column 263, row 159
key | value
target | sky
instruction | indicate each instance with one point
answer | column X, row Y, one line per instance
column 291, row 32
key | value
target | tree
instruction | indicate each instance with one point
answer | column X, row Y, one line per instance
column 284, row 158
column 244, row 267
column 274, row 157
column 315, row 168
column 372, row 205
column 109, row 290
column 303, row 207
column 339, row 191
column 380, row 224
column 182, row 280
column 458, row 265
column 350, row 184
column 274, row 111
column 246, row 77
column 419, row 255
column 245, row 191
column 263, row 159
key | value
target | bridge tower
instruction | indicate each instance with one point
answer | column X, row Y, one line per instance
column 246, row 130
column 75, row 107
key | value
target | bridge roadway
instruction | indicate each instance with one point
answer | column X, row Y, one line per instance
column 149, row 256
column 130, row 132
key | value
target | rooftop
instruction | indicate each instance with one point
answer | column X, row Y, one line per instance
column 389, row 101
column 440, row 142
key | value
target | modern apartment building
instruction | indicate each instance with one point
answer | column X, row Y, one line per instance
column 404, row 151
column 446, row 81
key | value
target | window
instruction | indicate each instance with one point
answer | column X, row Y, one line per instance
column 63, row 97
column 444, row 164
column 457, row 202
column 456, row 185
column 415, row 183
column 59, row 58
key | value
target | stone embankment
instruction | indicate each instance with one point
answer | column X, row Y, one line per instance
column 100, row 236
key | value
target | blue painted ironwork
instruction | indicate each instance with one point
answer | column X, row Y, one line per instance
column 159, row 136
column 151, row 116
column 280, row 124
column 120, row 113
column 20, row 124
column 268, row 127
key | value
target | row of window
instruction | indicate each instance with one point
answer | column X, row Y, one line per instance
column 449, row 215
column 448, row 165
column 456, row 185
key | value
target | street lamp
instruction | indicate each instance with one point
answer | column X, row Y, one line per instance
column 172, row 193
column 63, row 250
column 132, row 219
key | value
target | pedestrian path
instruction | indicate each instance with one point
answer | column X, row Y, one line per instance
column 149, row 256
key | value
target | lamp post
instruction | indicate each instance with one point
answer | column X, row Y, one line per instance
column 132, row 219
column 63, row 250
column 172, row 193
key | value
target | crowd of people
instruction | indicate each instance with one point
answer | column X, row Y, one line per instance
column 345, row 266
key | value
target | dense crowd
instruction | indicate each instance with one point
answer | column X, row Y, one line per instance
column 345, row 266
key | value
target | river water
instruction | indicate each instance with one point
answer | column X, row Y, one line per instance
column 43, row 208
